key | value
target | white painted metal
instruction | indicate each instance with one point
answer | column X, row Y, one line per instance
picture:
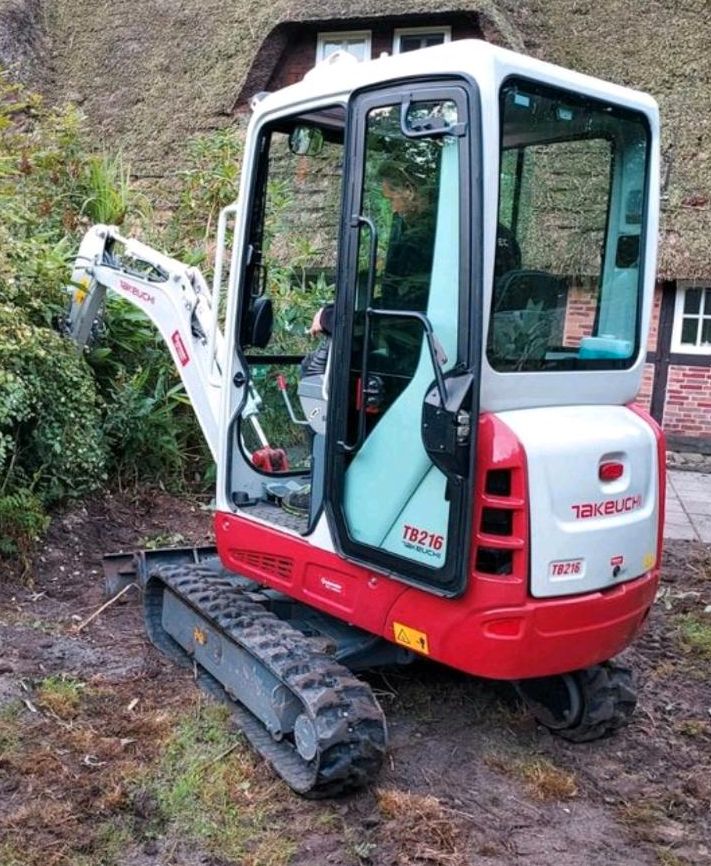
column 564, row 448
column 173, row 296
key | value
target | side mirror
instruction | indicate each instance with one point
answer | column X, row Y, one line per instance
column 446, row 429
column 306, row 141
column 260, row 321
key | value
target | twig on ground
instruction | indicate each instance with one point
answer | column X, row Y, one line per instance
column 78, row 628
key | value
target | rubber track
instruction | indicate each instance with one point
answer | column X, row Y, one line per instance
column 351, row 729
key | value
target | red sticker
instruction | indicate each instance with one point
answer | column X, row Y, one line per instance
column 180, row 349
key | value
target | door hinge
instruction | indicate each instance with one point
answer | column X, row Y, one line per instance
column 464, row 426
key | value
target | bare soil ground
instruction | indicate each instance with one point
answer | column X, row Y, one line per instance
column 109, row 756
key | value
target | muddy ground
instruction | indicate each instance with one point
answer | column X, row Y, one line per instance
column 109, row 756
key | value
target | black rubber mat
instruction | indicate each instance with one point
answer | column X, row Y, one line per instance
column 276, row 515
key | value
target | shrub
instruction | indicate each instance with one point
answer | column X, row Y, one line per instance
column 51, row 439
column 68, row 421
column 50, row 423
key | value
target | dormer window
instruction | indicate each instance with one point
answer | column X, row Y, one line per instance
column 414, row 38
column 355, row 42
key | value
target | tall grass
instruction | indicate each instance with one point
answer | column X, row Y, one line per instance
column 107, row 178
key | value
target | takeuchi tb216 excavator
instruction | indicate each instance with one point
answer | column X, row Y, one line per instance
column 480, row 488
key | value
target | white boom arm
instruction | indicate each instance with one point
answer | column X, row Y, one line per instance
column 175, row 298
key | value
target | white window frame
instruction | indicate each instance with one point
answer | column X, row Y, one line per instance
column 341, row 35
column 677, row 347
column 446, row 31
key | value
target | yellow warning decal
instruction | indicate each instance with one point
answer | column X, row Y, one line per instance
column 199, row 636
column 649, row 561
column 411, row 638
column 81, row 290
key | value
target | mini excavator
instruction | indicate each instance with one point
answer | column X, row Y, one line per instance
column 482, row 491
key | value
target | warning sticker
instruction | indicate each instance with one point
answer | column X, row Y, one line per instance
column 180, row 349
column 411, row 638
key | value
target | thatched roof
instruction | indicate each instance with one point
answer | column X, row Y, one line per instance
column 149, row 74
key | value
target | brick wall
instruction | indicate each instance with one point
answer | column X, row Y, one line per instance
column 678, row 392
column 579, row 314
column 687, row 410
column 644, row 397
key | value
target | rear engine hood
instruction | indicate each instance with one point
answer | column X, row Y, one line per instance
column 588, row 534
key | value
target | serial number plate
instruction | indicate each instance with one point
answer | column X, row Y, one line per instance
column 566, row 569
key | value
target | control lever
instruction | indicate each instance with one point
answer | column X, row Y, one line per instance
column 282, row 386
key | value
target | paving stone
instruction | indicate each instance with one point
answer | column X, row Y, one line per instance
column 702, row 525
column 683, row 532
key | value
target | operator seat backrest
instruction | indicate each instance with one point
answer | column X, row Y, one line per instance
column 392, row 463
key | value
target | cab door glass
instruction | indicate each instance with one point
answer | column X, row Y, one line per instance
column 395, row 499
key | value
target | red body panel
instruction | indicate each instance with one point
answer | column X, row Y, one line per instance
column 495, row 629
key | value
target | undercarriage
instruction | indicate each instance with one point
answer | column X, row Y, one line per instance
column 286, row 671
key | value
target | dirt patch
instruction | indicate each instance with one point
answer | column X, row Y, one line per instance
column 109, row 755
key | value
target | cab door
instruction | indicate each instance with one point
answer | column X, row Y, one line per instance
column 406, row 343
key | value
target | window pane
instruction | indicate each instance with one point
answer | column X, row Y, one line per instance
column 692, row 301
column 357, row 46
column 566, row 272
column 403, row 196
column 706, row 332
column 415, row 41
column 707, row 302
column 296, row 243
column 410, row 43
column 689, row 331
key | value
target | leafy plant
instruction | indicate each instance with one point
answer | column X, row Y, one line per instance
column 68, row 422
column 107, row 180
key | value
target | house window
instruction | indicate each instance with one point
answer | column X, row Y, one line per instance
column 413, row 38
column 356, row 43
column 692, row 320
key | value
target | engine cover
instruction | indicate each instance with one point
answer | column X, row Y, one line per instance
column 588, row 533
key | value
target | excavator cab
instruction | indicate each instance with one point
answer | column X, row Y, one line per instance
column 398, row 163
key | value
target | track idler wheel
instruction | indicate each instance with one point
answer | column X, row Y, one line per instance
column 583, row 705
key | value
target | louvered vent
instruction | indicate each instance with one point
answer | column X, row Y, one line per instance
column 281, row 566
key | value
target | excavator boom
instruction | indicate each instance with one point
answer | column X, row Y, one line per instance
column 175, row 298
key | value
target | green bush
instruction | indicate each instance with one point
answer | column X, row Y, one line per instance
column 54, row 412
column 70, row 421
column 50, row 422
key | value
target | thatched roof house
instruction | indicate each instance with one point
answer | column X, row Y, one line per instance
column 149, row 74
